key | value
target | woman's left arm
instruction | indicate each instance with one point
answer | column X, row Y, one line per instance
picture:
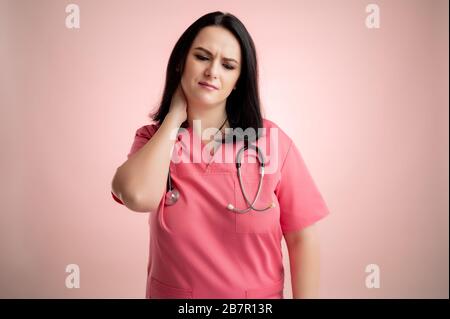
column 304, row 259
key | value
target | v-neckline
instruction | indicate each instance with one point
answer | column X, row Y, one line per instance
column 194, row 138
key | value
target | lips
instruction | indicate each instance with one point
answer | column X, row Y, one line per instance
column 208, row 84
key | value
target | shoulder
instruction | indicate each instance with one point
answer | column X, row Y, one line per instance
column 280, row 142
column 273, row 129
column 268, row 123
column 147, row 131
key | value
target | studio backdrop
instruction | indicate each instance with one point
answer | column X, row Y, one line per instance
column 360, row 86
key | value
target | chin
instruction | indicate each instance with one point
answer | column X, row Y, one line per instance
column 205, row 98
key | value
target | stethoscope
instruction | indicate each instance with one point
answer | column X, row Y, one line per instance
column 172, row 194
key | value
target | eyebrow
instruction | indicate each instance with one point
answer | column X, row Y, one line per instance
column 206, row 51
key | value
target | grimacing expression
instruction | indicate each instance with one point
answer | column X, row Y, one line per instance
column 215, row 58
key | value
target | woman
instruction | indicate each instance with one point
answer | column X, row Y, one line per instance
column 208, row 240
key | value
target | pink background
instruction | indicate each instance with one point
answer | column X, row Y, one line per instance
column 368, row 109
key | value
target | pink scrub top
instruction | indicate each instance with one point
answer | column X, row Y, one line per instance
column 199, row 248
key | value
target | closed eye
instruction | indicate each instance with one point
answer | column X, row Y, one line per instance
column 203, row 58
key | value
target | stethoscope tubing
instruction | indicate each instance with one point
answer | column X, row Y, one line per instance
column 261, row 161
column 172, row 195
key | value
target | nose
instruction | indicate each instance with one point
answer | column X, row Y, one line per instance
column 212, row 70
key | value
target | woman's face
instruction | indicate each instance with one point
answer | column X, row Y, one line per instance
column 214, row 58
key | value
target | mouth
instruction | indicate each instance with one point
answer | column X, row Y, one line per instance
column 208, row 86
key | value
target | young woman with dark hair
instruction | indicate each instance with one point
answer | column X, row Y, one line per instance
column 216, row 225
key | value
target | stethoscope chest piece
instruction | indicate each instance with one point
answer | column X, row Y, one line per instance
column 172, row 196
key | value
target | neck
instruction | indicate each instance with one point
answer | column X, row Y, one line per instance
column 210, row 118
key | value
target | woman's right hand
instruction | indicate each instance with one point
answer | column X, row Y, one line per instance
column 178, row 105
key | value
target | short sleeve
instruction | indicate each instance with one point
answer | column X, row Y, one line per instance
column 142, row 136
column 301, row 203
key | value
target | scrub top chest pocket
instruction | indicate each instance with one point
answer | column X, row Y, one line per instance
column 256, row 221
column 201, row 206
